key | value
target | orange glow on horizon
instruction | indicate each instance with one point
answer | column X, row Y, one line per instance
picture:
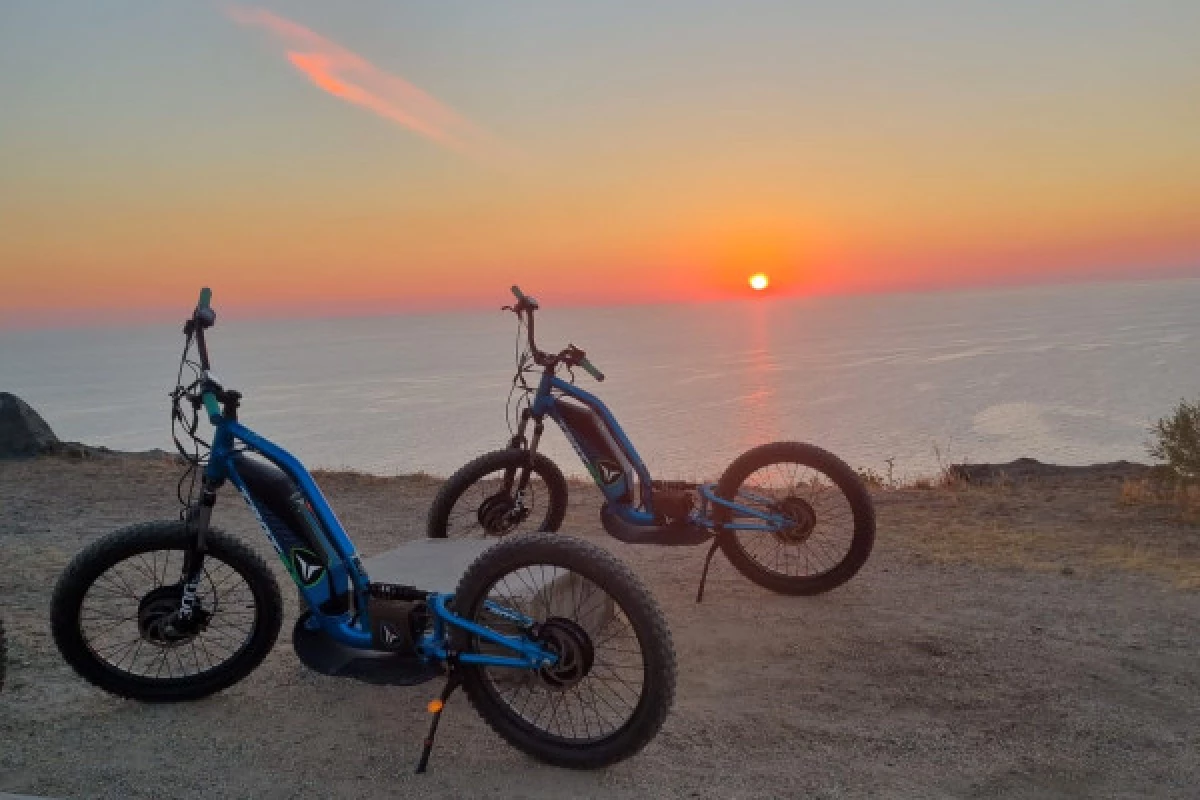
column 606, row 181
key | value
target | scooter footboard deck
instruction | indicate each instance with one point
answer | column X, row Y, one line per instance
column 437, row 565
column 432, row 565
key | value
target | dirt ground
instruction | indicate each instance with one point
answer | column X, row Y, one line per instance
column 1030, row 639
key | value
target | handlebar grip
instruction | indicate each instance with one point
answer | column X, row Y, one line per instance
column 211, row 406
column 591, row 370
column 203, row 317
column 517, row 293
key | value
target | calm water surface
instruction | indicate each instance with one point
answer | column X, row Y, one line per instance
column 1065, row 374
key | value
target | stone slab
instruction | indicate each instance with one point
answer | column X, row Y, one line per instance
column 434, row 565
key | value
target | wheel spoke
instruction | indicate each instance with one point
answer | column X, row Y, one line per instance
column 600, row 702
column 123, row 611
column 808, row 547
column 463, row 517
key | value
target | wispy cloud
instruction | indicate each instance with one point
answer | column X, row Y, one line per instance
column 351, row 77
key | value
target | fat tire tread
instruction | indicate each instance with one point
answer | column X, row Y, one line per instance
column 109, row 550
column 466, row 477
column 644, row 614
column 843, row 477
column 3, row 654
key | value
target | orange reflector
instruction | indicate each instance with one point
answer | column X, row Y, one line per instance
column 435, row 706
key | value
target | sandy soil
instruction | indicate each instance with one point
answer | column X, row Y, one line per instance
column 1021, row 640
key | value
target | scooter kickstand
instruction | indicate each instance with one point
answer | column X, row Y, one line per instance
column 453, row 681
column 707, row 561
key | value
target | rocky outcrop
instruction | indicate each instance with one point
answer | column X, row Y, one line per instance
column 1024, row 469
column 23, row 432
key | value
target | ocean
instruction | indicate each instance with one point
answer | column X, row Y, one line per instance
column 1067, row 374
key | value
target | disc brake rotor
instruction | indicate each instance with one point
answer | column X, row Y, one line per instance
column 158, row 621
column 569, row 641
column 499, row 514
column 801, row 519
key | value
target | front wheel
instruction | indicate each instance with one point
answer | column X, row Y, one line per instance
column 822, row 524
column 114, row 619
column 482, row 500
column 614, row 681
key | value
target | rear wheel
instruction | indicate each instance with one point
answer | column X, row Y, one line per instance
column 114, row 617
column 481, row 499
column 614, row 681
column 827, row 521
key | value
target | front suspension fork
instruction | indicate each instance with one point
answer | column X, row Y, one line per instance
column 196, row 522
column 530, row 447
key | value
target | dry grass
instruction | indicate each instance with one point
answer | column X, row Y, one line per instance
column 1070, row 525
column 350, row 477
column 947, row 476
column 1172, row 493
column 1178, row 564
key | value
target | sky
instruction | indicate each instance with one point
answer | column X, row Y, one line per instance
column 313, row 157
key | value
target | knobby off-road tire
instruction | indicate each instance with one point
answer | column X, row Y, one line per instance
column 844, row 501
column 456, row 496
column 634, row 614
column 3, row 654
column 165, row 540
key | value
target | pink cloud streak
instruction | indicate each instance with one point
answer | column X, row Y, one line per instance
column 346, row 75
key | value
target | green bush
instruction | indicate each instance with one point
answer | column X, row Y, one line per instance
column 1177, row 439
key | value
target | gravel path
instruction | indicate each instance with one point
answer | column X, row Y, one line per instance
column 1035, row 640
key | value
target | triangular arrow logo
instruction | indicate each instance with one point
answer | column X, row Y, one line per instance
column 609, row 472
column 390, row 637
column 307, row 566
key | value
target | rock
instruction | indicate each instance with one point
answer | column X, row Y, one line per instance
column 1025, row 469
column 23, row 432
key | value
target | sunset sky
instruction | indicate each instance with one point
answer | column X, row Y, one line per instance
column 384, row 155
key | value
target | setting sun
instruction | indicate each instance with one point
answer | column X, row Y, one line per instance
column 759, row 281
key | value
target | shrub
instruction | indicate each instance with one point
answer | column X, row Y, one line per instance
column 871, row 477
column 877, row 480
column 1177, row 440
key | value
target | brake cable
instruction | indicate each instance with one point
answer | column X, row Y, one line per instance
column 179, row 419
